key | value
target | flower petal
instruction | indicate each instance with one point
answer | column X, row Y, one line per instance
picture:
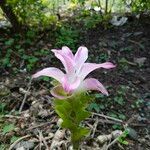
column 66, row 51
column 50, row 72
column 80, row 57
column 58, row 92
column 92, row 84
column 66, row 61
column 89, row 67
column 70, row 85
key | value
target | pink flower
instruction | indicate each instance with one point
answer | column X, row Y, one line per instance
column 76, row 71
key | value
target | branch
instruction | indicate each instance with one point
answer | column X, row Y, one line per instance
column 107, row 117
column 25, row 96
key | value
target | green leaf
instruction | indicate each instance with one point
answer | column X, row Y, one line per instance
column 13, row 139
column 63, row 112
column 101, row 106
column 2, row 107
column 83, row 114
column 112, row 114
column 119, row 100
column 2, row 147
column 63, row 108
column 116, row 126
column 99, row 96
column 46, row 78
column 94, row 106
column 68, row 124
column 7, row 128
column 33, row 59
column 121, row 116
column 80, row 133
column 123, row 141
column 9, row 42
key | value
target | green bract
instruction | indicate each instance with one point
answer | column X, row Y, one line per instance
column 72, row 111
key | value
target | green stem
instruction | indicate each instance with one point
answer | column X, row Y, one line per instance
column 75, row 145
column 74, row 142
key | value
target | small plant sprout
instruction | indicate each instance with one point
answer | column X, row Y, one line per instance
column 70, row 94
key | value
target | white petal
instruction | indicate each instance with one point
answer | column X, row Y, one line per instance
column 50, row 72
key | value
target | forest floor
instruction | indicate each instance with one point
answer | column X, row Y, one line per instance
column 126, row 46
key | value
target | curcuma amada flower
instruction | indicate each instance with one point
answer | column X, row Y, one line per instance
column 70, row 98
column 76, row 70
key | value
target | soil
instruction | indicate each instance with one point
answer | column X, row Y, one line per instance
column 119, row 43
column 127, row 46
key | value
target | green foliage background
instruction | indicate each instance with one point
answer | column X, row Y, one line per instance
column 44, row 12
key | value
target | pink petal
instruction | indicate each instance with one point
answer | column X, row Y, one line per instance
column 80, row 57
column 65, row 83
column 50, row 72
column 66, row 51
column 70, row 85
column 66, row 61
column 89, row 67
column 58, row 92
column 92, row 84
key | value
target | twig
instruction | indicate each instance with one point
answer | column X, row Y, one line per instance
column 25, row 96
column 17, row 141
column 114, row 141
column 131, row 120
column 94, row 127
column 135, row 42
column 40, row 139
column 140, row 124
column 108, row 117
column 89, row 125
column 36, row 140
column 102, row 121
column 43, row 124
column 44, row 141
column 35, row 148
column 40, row 125
column 45, row 88
column 11, row 116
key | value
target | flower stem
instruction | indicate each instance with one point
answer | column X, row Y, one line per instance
column 75, row 145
